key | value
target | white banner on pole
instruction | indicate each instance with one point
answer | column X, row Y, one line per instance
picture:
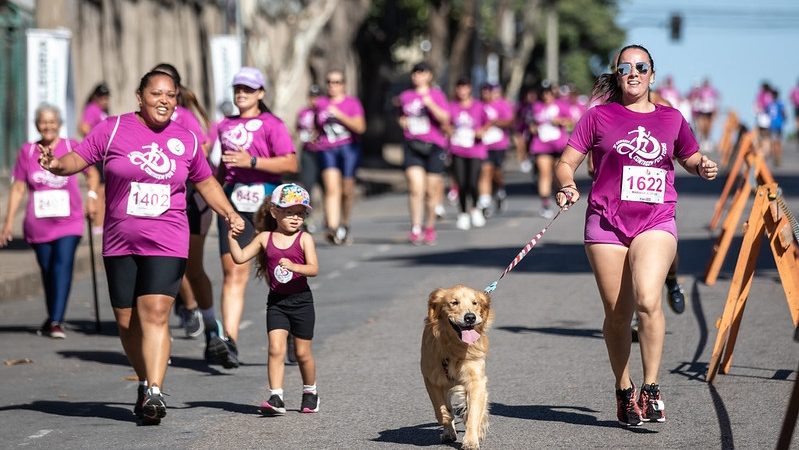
column 225, row 62
column 48, row 71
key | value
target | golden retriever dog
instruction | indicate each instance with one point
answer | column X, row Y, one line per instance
column 454, row 348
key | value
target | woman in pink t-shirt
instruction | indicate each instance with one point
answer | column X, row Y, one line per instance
column 148, row 158
column 53, row 222
column 630, row 231
column 256, row 152
column 497, row 139
column 340, row 122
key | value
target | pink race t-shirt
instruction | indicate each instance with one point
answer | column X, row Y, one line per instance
column 496, row 138
column 466, row 121
column 422, row 125
column 93, row 114
column 54, row 208
column 549, row 138
column 145, row 195
column 331, row 132
column 264, row 136
column 185, row 117
column 630, row 151
column 306, row 128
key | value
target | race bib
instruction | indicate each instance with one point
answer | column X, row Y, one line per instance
column 548, row 132
column 148, row 199
column 248, row 197
column 336, row 132
column 463, row 137
column 52, row 203
column 305, row 136
column 418, row 125
column 492, row 136
column 643, row 184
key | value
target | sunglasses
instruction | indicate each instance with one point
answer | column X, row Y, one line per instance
column 298, row 213
column 335, row 81
column 626, row 68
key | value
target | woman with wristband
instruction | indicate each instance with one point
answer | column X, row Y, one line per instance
column 256, row 151
column 53, row 222
column 148, row 158
column 630, row 230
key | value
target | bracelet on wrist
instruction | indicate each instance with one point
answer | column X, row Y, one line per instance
column 92, row 195
column 253, row 162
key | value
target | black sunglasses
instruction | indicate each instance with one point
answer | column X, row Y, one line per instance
column 626, row 68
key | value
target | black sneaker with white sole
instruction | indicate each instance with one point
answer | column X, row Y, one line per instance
column 216, row 349
column 140, row 391
column 153, row 407
column 676, row 296
column 310, row 403
column 273, row 407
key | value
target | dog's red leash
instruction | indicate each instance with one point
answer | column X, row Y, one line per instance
column 524, row 251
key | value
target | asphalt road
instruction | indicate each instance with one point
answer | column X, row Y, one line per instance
column 550, row 382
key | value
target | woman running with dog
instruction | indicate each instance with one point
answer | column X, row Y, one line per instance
column 148, row 158
column 630, row 228
column 256, row 151
column 286, row 258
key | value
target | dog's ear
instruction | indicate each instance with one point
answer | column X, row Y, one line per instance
column 485, row 305
column 434, row 305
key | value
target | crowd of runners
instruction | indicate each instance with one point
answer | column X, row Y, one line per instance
column 153, row 190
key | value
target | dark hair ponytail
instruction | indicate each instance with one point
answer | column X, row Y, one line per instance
column 145, row 80
column 186, row 97
column 263, row 108
column 606, row 87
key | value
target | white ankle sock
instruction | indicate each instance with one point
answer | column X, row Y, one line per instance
column 278, row 392
column 309, row 388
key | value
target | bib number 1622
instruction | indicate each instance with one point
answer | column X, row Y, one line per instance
column 643, row 184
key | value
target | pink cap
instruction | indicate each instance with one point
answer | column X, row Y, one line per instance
column 250, row 77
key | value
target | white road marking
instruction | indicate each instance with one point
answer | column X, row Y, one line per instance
column 40, row 433
column 333, row 274
column 351, row 265
column 245, row 324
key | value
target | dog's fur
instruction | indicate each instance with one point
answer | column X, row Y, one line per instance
column 453, row 369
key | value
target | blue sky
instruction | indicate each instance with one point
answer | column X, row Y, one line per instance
column 734, row 43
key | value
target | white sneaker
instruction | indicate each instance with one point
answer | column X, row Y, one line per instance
column 440, row 211
column 463, row 222
column 547, row 213
column 478, row 219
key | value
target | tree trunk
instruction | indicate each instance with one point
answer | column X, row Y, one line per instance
column 460, row 45
column 519, row 62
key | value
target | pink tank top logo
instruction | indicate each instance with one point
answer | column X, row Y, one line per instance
column 154, row 161
column 240, row 136
column 644, row 148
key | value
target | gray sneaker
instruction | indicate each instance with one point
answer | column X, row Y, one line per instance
column 193, row 323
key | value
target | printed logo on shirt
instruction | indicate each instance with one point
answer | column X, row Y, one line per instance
column 283, row 275
column 48, row 179
column 176, row 146
column 153, row 161
column 644, row 148
column 415, row 108
column 240, row 136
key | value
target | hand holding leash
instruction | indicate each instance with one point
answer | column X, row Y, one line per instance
column 567, row 196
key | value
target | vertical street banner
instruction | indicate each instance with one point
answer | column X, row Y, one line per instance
column 225, row 62
column 48, row 73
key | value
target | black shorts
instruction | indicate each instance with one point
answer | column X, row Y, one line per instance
column 496, row 157
column 132, row 276
column 243, row 239
column 292, row 312
column 198, row 212
column 434, row 163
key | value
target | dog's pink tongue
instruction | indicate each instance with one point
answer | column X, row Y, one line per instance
column 469, row 336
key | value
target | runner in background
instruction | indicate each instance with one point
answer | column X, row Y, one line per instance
column 95, row 110
column 762, row 120
column 704, row 105
column 195, row 300
column 550, row 121
column 309, row 166
column 256, row 152
column 795, row 103
column 54, row 220
column 776, row 113
column 468, row 122
column 522, row 137
column 340, row 122
column 424, row 112
column 491, row 187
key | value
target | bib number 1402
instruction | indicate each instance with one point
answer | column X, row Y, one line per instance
column 148, row 199
column 643, row 184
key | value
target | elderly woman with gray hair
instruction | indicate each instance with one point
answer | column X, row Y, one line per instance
column 53, row 223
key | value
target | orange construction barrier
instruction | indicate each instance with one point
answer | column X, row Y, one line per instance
column 771, row 218
column 726, row 143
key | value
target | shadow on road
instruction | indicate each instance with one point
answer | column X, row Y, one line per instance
column 77, row 409
column 224, row 406
column 89, row 327
column 119, row 359
column 555, row 413
column 420, row 435
column 575, row 332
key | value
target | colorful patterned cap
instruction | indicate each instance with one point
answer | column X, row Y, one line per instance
column 291, row 194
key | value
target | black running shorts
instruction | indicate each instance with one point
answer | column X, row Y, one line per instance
column 132, row 276
column 292, row 312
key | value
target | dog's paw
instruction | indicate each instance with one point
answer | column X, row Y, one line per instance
column 449, row 434
column 470, row 445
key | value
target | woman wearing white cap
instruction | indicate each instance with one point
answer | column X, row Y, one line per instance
column 256, row 151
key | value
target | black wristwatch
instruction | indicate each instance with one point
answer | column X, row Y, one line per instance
column 253, row 161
